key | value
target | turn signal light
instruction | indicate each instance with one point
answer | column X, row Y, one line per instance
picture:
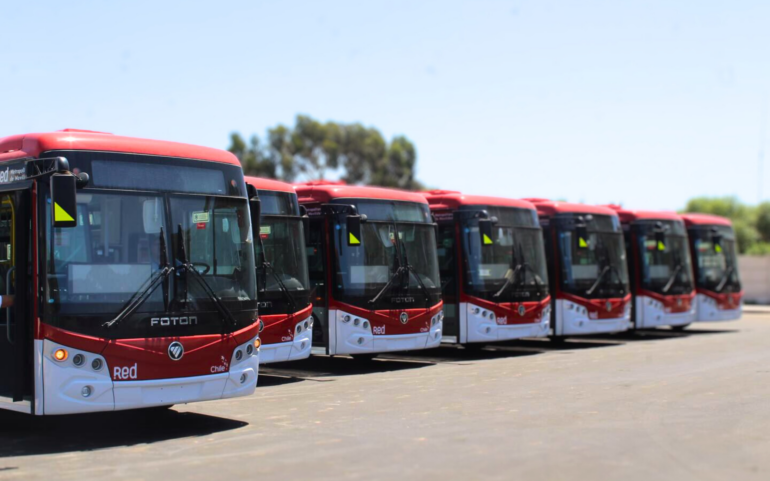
column 257, row 343
column 60, row 355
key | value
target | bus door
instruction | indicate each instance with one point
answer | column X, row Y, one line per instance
column 16, row 327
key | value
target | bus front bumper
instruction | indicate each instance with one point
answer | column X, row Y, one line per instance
column 294, row 350
column 69, row 389
column 708, row 311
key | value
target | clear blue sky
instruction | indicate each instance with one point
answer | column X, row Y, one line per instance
column 647, row 103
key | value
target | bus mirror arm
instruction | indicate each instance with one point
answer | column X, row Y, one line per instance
column 255, row 209
column 82, row 180
column 305, row 223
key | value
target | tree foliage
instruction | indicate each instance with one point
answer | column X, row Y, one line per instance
column 751, row 224
column 312, row 150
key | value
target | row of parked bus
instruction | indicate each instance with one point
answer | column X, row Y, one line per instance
column 142, row 273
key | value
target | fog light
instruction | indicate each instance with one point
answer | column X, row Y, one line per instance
column 238, row 355
column 244, row 377
column 60, row 355
column 302, row 346
column 299, row 329
column 86, row 391
column 488, row 330
column 346, row 319
column 476, row 310
column 96, row 364
column 257, row 343
column 356, row 321
column 78, row 360
column 306, row 325
column 360, row 340
column 365, row 325
column 250, row 349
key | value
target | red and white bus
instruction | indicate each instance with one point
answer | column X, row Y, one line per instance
column 373, row 265
column 586, row 258
column 282, row 279
column 492, row 264
column 132, row 266
column 715, row 263
column 660, row 268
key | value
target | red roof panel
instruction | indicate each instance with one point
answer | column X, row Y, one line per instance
column 269, row 184
column 447, row 199
column 705, row 219
column 324, row 192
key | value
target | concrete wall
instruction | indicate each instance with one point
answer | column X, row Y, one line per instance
column 755, row 277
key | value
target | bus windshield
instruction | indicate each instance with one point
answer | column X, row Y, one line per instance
column 122, row 242
column 593, row 267
column 665, row 266
column 513, row 268
column 716, row 260
column 282, row 275
column 395, row 266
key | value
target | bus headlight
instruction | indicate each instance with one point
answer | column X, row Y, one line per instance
column 60, row 355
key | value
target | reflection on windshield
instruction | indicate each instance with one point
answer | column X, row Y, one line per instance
column 284, row 248
column 594, row 268
column 511, row 269
column 716, row 266
column 364, row 270
column 98, row 266
column 666, row 268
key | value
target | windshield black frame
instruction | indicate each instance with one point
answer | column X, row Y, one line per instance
column 604, row 256
column 716, row 264
column 673, row 261
column 197, row 314
column 517, row 254
column 416, row 246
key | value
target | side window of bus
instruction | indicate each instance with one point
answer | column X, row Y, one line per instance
column 446, row 257
column 315, row 258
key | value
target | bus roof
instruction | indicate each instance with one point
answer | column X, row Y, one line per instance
column 324, row 191
column 628, row 215
column 691, row 219
column 547, row 207
column 33, row 145
column 452, row 199
column 261, row 183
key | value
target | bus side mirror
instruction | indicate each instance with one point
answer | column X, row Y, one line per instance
column 354, row 230
column 485, row 231
column 305, row 223
column 255, row 209
column 582, row 236
column 64, row 200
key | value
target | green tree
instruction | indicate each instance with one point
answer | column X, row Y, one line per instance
column 312, row 149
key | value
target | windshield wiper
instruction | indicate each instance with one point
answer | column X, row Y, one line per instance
column 671, row 280
column 511, row 281
column 188, row 267
column 725, row 277
column 409, row 268
column 269, row 267
column 384, row 289
column 598, row 280
column 144, row 293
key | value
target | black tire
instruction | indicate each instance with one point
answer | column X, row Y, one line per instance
column 680, row 328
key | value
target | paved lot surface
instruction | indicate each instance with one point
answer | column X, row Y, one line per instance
column 659, row 405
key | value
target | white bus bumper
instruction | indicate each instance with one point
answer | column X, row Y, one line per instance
column 294, row 350
column 572, row 320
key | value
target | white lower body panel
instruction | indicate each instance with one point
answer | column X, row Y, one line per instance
column 482, row 326
column 573, row 322
column 353, row 337
column 650, row 314
column 65, row 385
column 294, row 350
column 709, row 312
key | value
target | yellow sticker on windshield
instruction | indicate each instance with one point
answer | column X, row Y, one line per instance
column 661, row 246
column 487, row 240
column 352, row 240
column 582, row 243
column 61, row 215
column 718, row 248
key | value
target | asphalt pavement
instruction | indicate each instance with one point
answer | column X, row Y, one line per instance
column 654, row 405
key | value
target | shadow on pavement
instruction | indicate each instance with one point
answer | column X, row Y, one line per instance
column 333, row 366
column 25, row 435
column 459, row 354
column 659, row 334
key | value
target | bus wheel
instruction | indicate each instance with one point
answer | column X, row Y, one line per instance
column 364, row 357
column 679, row 328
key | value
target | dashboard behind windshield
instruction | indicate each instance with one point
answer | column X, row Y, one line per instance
column 116, row 250
column 665, row 266
column 594, row 265
column 395, row 235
